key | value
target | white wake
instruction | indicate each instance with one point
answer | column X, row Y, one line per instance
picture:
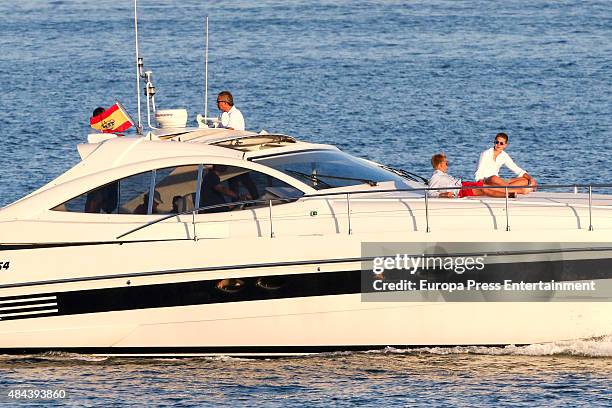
column 593, row 347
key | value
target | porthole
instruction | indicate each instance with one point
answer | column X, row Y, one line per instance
column 270, row 282
column 230, row 285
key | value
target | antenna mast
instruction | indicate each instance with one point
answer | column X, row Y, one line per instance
column 138, row 67
column 206, row 73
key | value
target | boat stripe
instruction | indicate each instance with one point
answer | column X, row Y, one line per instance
column 239, row 351
column 3, row 316
column 189, row 270
column 24, row 300
column 25, row 303
column 292, row 263
column 4, row 309
column 287, row 286
column 18, row 247
column 47, row 313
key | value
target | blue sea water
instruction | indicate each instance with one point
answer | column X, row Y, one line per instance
column 391, row 81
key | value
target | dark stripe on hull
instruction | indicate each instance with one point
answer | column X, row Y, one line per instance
column 286, row 286
column 242, row 351
column 16, row 247
column 279, row 264
column 29, row 316
column 209, row 292
column 190, row 270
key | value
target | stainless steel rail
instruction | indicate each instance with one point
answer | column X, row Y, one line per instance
column 195, row 211
column 507, row 214
column 427, row 213
column 270, row 218
column 348, row 195
column 590, row 208
column 348, row 212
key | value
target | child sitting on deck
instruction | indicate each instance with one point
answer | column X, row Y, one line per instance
column 451, row 187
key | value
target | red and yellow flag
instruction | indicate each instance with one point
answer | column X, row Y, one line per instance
column 114, row 119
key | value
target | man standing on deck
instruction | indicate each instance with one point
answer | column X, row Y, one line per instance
column 231, row 117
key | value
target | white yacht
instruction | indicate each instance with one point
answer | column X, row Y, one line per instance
column 205, row 241
column 213, row 241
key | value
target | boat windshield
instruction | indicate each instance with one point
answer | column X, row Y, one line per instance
column 323, row 169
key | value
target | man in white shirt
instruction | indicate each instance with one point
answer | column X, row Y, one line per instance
column 231, row 117
column 450, row 187
column 491, row 160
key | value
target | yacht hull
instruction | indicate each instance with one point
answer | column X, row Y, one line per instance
column 133, row 300
column 302, row 326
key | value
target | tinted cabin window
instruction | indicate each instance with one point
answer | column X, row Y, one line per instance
column 134, row 194
column 225, row 184
column 175, row 191
column 125, row 196
column 100, row 200
column 176, row 187
column 323, row 169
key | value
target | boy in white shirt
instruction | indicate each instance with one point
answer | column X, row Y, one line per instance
column 491, row 160
column 451, row 187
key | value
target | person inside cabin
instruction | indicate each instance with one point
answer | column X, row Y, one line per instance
column 178, row 204
column 94, row 201
column 492, row 159
column 231, row 117
column 144, row 206
column 247, row 183
column 213, row 191
column 103, row 199
column 451, row 187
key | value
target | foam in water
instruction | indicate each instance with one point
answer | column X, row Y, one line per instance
column 56, row 356
column 592, row 347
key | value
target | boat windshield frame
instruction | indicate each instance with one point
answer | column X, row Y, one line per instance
column 322, row 174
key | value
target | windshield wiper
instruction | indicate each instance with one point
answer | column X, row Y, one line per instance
column 407, row 174
column 310, row 177
column 315, row 177
column 372, row 183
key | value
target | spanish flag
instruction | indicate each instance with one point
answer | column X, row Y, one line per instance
column 113, row 120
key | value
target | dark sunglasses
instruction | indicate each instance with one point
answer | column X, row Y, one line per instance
column 497, row 142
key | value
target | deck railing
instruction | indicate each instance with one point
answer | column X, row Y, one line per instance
column 348, row 195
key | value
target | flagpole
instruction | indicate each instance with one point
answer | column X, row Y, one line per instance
column 138, row 68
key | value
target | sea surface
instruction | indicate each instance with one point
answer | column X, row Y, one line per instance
column 388, row 80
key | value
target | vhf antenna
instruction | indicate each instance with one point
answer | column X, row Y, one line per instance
column 148, row 77
column 206, row 73
column 139, row 65
column 203, row 121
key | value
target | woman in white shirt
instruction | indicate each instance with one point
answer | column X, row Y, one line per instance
column 491, row 160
